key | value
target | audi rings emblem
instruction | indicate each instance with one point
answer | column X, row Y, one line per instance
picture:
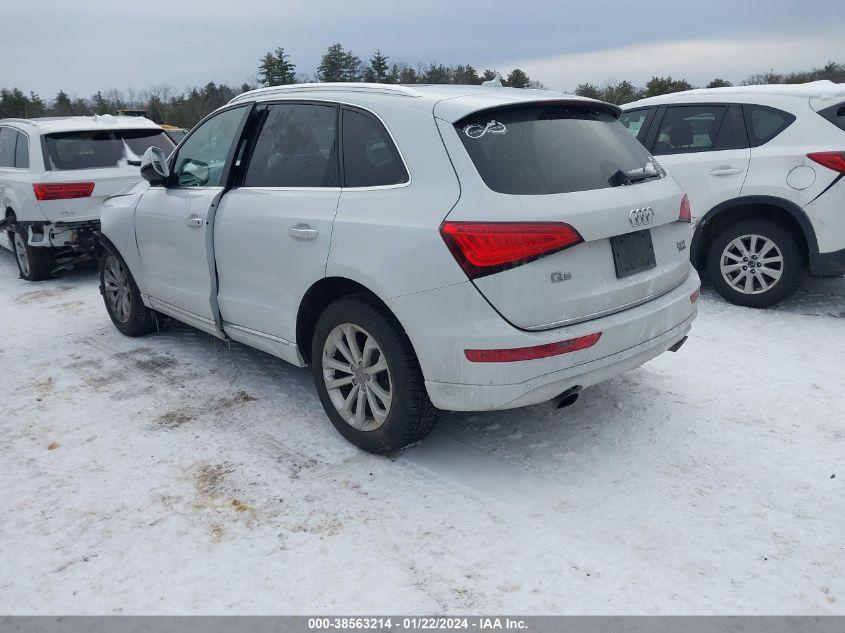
column 641, row 217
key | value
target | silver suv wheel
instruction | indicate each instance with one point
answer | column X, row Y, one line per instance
column 751, row 264
column 357, row 377
column 20, row 253
column 116, row 288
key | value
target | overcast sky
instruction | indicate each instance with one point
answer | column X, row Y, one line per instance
column 89, row 45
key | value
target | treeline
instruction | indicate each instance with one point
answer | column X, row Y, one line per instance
column 184, row 108
column 625, row 91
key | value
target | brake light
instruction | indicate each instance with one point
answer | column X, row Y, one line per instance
column 695, row 296
column 63, row 190
column 484, row 248
column 831, row 160
column 531, row 353
column 686, row 214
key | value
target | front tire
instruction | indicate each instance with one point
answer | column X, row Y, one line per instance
column 122, row 297
column 368, row 377
column 755, row 263
column 34, row 263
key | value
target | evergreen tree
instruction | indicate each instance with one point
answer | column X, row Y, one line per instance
column 517, row 79
column 377, row 70
column 436, row 74
column 408, row 76
column 719, row 83
column 339, row 64
column 276, row 69
column 665, row 85
column 589, row 90
column 465, row 75
column 62, row 105
column 100, row 103
column 623, row 92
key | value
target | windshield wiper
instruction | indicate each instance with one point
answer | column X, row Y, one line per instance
column 621, row 177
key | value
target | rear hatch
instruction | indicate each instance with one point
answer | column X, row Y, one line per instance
column 563, row 216
column 85, row 167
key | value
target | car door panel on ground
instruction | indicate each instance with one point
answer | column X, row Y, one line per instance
column 171, row 222
column 273, row 230
column 705, row 148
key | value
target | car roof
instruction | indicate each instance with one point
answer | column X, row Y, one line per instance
column 48, row 125
column 823, row 90
column 448, row 101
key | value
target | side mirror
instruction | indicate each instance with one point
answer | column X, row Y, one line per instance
column 154, row 167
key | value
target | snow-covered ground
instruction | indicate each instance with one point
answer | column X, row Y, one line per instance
column 171, row 474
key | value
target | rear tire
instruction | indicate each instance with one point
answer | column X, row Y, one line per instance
column 381, row 377
column 34, row 263
column 755, row 263
column 122, row 297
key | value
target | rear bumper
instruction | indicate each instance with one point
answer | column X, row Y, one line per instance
column 828, row 264
column 629, row 339
column 77, row 235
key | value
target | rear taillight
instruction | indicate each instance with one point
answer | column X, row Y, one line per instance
column 531, row 353
column 484, row 248
column 695, row 296
column 831, row 160
column 63, row 190
column 685, row 214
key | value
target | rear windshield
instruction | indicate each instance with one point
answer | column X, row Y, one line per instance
column 836, row 115
column 107, row 148
column 549, row 148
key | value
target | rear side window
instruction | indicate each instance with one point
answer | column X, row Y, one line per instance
column 765, row 123
column 296, row 147
column 835, row 115
column 549, row 148
column 689, row 129
column 22, row 151
column 635, row 121
column 102, row 148
column 370, row 159
column 8, row 138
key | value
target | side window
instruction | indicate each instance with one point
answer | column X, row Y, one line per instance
column 765, row 123
column 635, row 122
column 732, row 132
column 201, row 160
column 22, row 151
column 689, row 129
column 370, row 159
column 296, row 147
column 8, row 136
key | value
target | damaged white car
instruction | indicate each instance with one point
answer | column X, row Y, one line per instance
column 55, row 174
column 452, row 247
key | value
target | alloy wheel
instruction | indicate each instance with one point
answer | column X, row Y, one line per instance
column 116, row 288
column 20, row 253
column 357, row 377
column 751, row 264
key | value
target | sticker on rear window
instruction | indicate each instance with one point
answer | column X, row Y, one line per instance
column 477, row 130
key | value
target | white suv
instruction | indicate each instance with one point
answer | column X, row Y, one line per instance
column 762, row 166
column 457, row 247
column 54, row 175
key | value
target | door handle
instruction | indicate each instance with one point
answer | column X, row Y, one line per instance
column 302, row 232
column 725, row 171
column 194, row 221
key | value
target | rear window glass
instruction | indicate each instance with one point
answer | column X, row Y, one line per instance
column 549, row 148
column 764, row 123
column 104, row 148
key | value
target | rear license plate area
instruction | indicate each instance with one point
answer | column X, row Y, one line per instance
column 633, row 253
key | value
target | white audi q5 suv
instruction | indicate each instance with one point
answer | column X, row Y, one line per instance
column 422, row 248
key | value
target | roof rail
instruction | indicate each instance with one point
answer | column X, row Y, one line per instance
column 372, row 88
column 18, row 120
